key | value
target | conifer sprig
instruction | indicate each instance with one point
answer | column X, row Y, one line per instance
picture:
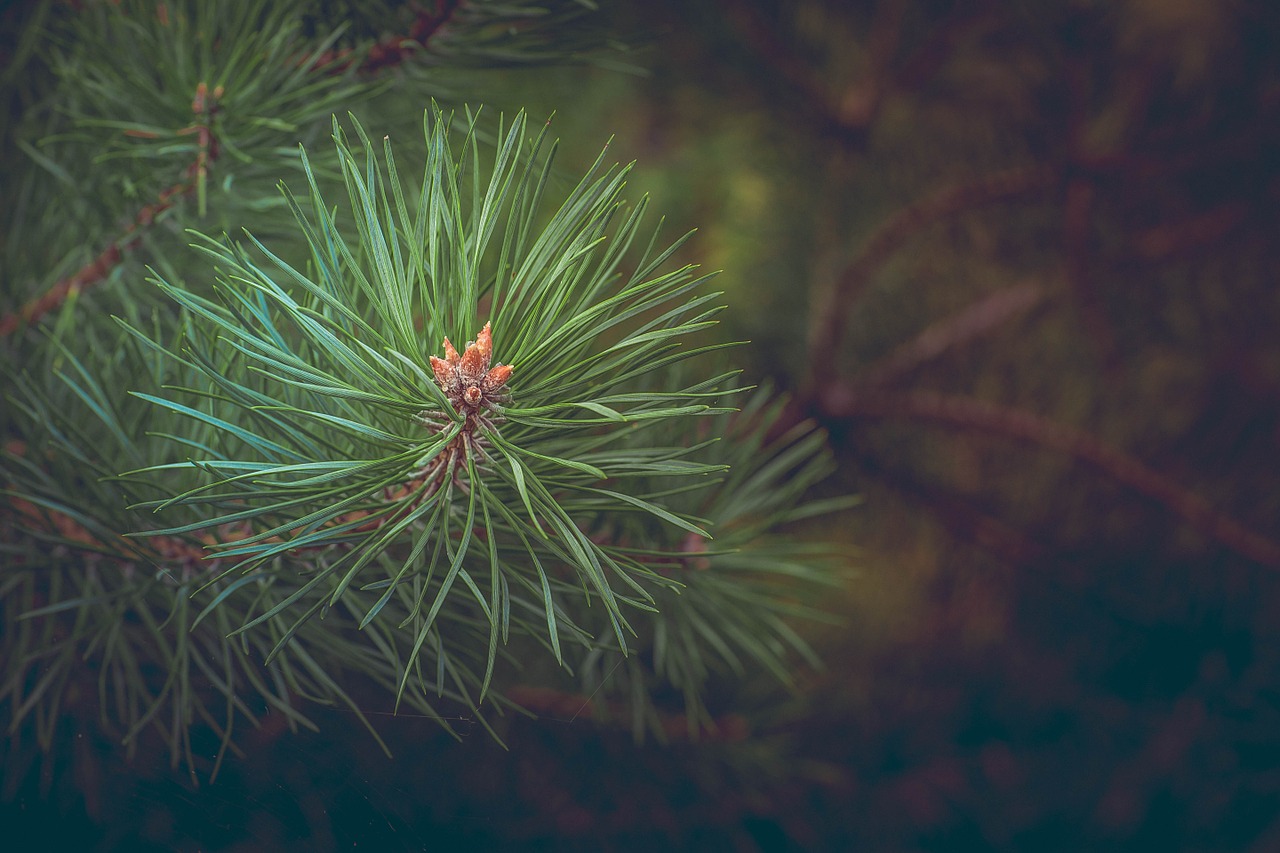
column 333, row 424
column 414, row 440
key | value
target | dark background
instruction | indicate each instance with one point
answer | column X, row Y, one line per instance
column 1019, row 258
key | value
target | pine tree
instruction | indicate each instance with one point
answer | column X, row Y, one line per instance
column 315, row 384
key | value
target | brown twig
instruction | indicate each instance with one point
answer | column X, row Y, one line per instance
column 972, row 322
column 68, row 532
column 1030, row 428
column 1171, row 240
column 392, row 50
column 830, row 319
column 96, row 270
column 204, row 105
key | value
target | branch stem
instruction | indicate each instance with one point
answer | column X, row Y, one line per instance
column 1030, row 428
column 829, row 326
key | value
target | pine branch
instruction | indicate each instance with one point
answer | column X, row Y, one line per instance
column 101, row 267
column 417, row 449
column 204, row 104
column 275, row 473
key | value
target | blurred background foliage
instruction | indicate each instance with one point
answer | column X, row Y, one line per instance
column 1019, row 259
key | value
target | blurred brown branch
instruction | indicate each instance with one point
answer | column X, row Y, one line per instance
column 831, row 319
column 844, row 402
column 849, row 110
column 974, row 321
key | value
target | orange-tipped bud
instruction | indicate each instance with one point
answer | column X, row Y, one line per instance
column 484, row 343
column 475, row 362
column 442, row 368
column 498, row 377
